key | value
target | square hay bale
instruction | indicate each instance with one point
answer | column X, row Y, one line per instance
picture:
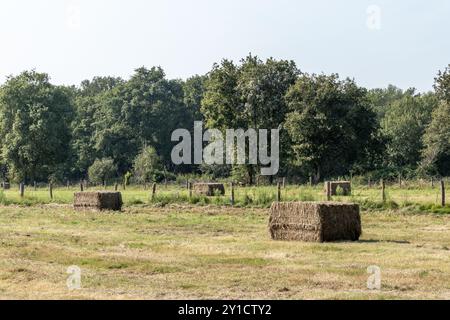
column 315, row 221
column 209, row 189
column 345, row 186
column 99, row 200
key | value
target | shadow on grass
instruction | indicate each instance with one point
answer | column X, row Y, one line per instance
column 385, row 241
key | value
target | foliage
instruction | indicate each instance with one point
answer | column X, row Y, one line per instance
column 34, row 125
column 329, row 127
column 405, row 121
column 147, row 166
column 330, row 123
column 102, row 170
column 249, row 95
column 436, row 156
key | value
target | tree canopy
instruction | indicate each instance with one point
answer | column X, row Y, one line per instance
column 108, row 127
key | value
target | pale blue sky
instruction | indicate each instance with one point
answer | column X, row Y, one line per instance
column 74, row 40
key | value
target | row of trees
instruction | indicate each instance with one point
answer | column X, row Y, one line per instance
column 109, row 127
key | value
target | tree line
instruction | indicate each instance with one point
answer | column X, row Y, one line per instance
column 111, row 128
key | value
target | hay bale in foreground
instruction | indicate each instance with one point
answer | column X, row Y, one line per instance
column 209, row 189
column 99, row 200
column 344, row 186
column 315, row 221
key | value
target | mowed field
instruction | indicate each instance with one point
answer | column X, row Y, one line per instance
column 185, row 251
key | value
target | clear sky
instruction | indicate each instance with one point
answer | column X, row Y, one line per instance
column 402, row 42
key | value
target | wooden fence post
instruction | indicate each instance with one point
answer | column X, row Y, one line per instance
column 432, row 182
column 310, row 181
column 400, row 180
column 278, row 192
column 284, row 183
column 153, row 191
column 232, row 193
column 81, row 186
column 22, row 189
column 328, row 190
column 442, row 193
column 190, row 189
column 116, row 186
column 50, row 189
column 383, row 190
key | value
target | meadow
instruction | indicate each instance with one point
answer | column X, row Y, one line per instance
column 176, row 247
column 411, row 196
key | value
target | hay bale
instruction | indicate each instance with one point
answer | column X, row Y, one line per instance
column 315, row 221
column 345, row 186
column 209, row 189
column 6, row 186
column 100, row 200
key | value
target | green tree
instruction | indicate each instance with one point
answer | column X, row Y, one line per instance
column 404, row 125
column 147, row 166
column 102, row 170
column 88, row 101
column 250, row 95
column 143, row 111
column 331, row 124
column 35, row 121
column 193, row 92
column 436, row 155
column 442, row 84
column 381, row 99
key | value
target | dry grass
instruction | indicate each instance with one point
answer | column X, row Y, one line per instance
column 211, row 252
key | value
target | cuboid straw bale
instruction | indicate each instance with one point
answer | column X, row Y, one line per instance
column 345, row 188
column 99, row 200
column 209, row 189
column 315, row 221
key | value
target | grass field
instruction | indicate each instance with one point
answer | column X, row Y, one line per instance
column 414, row 197
column 182, row 251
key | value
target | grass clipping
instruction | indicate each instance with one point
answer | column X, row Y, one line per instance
column 209, row 189
column 99, row 200
column 315, row 221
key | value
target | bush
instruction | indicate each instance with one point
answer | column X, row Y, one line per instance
column 102, row 170
column 147, row 166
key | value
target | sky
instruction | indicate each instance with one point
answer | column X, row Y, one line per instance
column 401, row 42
